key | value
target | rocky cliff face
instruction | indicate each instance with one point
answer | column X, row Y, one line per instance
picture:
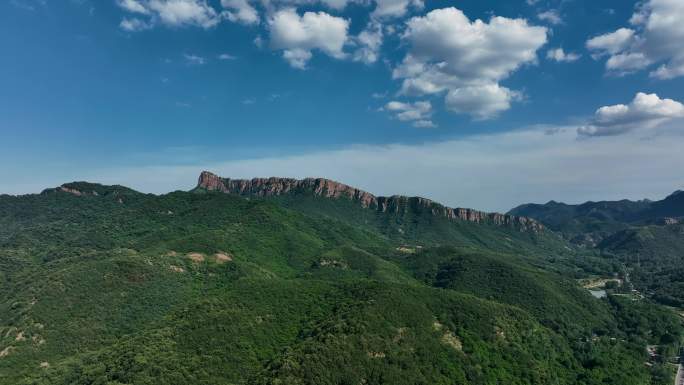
column 265, row 187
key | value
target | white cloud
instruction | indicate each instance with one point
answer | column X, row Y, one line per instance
column 297, row 57
column 611, row 43
column 134, row 24
column 298, row 35
column 481, row 101
column 226, row 56
column 559, row 55
column 656, row 37
column 185, row 12
column 449, row 53
column 194, row 59
column 645, row 112
column 624, row 63
column 551, row 16
column 369, row 42
column 134, row 6
column 241, row 11
column 669, row 71
column 247, row 11
column 418, row 113
column 395, row 8
column 174, row 13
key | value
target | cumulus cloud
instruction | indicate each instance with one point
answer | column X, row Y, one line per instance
column 394, row 8
column 462, row 58
column 247, row 11
column 551, row 16
column 559, row 55
column 297, row 57
column 418, row 113
column 656, row 37
column 134, row 6
column 481, row 101
column 173, row 13
column 611, row 43
column 369, row 42
column 646, row 111
column 240, row 11
column 298, row 35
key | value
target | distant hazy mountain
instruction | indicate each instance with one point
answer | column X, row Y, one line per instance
column 588, row 223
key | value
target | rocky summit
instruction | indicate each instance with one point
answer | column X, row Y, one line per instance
column 322, row 187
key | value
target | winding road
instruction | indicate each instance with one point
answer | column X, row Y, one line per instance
column 679, row 380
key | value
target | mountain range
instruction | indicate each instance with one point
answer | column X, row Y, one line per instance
column 285, row 281
column 588, row 223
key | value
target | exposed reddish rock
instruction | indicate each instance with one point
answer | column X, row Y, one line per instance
column 265, row 187
column 211, row 182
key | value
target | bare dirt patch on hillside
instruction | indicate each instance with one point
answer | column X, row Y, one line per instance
column 450, row 339
column 196, row 257
column 223, row 257
column 6, row 351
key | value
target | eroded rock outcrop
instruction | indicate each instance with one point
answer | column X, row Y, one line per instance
column 266, row 187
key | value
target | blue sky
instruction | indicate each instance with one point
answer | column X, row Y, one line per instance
column 115, row 90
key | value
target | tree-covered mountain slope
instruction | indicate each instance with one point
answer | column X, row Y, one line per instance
column 410, row 220
column 656, row 256
column 589, row 223
column 646, row 236
column 105, row 285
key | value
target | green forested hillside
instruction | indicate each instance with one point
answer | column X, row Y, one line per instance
column 587, row 223
column 110, row 286
column 656, row 254
column 645, row 236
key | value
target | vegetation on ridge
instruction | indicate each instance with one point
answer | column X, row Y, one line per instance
column 187, row 288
